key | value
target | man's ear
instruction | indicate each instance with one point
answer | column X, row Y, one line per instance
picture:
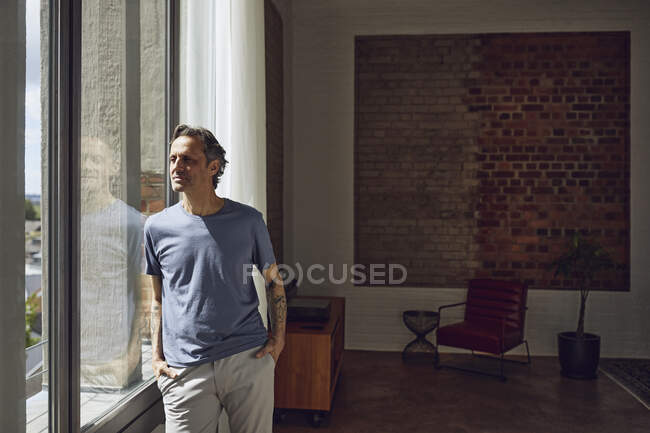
column 214, row 166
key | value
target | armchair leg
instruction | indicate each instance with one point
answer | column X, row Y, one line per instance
column 514, row 361
column 502, row 359
column 439, row 366
column 501, row 376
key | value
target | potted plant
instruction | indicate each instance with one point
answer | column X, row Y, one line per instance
column 579, row 351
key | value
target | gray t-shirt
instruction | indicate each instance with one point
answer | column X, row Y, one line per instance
column 111, row 263
column 209, row 301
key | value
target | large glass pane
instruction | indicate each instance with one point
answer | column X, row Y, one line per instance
column 122, row 182
column 36, row 222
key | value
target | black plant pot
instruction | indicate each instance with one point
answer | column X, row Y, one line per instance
column 578, row 356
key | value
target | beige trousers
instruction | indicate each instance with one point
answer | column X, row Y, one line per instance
column 241, row 384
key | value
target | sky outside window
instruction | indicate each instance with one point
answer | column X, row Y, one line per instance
column 33, row 99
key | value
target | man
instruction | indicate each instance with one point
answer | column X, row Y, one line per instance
column 210, row 348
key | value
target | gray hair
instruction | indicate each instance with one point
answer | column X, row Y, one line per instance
column 211, row 147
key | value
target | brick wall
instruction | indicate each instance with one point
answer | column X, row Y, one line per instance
column 274, row 126
column 477, row 155
column 415, row 145
column 152, row 192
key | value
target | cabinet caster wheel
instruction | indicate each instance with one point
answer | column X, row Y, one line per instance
column 317, row 419
column 279, row 415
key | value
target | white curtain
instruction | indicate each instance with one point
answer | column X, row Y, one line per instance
column 222, row 87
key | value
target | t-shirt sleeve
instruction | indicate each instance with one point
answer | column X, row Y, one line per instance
column 152, row 264
column 263, row 256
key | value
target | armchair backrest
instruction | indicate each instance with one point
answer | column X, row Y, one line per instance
column 496, row 299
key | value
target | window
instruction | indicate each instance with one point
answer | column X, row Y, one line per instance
column 122, row 172
column 97, row 119
column 36, row 187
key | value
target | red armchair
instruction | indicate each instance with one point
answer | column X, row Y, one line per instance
column 495, row 313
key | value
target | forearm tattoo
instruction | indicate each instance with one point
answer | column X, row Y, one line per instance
column 277, row 305
column 279, row 309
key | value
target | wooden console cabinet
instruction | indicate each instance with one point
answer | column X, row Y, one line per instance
column 309, row 366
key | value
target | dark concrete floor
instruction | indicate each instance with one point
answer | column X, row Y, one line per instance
column 379, row 393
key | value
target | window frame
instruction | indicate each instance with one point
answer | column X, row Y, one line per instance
column 142, row 410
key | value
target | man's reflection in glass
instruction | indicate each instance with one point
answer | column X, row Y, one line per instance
column 111, row 263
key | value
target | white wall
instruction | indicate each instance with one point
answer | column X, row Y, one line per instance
column 321, row 200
